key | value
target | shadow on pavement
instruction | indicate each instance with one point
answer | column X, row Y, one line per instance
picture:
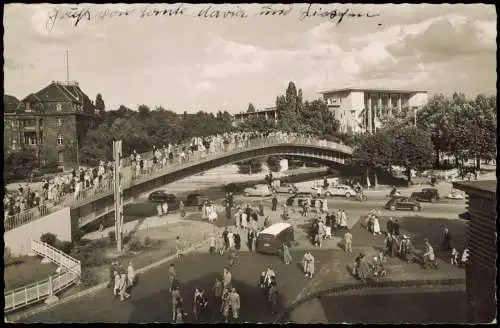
column 158, row 307
column 421, row 308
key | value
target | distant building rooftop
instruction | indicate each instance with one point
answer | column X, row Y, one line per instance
column 268, row 109
column 374, row 90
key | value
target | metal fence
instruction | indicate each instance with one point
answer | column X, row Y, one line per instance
column 131, row 176
column 40, row 290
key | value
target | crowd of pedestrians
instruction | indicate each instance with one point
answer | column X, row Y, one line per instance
column 56, row 190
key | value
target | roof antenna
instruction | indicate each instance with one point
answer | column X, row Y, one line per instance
column 67, row 66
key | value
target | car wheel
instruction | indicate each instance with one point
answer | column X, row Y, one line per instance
column 247, row 194
column 328, row 194
column 347, row 195
column 392, row 208
column 433, row 200
column 415, row 208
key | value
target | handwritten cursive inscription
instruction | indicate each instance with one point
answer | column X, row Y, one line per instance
column 78, row 14
column 269, row 10
column 169, row 11
column 335, row 15
column 210, row 12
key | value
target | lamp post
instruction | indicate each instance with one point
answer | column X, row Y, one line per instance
column 118, row 195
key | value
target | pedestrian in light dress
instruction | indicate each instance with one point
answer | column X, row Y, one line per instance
column 261, row 209
column 287, row 256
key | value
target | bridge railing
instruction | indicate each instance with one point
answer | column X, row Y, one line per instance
column 130, row 176
column 56, row 256
column 40, row 290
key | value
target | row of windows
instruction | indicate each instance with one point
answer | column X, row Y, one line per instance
column 31, row 140
column 76, row 107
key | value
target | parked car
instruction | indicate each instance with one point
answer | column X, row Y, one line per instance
column 196, row 200
column 340, row 190
column 403, row 203
column 289, row 188
column 456, row 195
column 161, row 196
column 299, row 201
column 258, row 190
column 426, row 195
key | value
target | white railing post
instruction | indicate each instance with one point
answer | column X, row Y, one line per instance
column 51, row 291
column 25, row 295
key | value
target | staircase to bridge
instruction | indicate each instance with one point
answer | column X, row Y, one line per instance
column 91, row 204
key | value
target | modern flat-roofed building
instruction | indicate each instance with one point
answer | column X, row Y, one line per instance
column 482, row 242
column 266, row 114
column 51, row 122
column 360, row 110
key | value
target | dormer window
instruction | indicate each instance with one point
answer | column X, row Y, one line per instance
column 58, row 107
column 28, row 107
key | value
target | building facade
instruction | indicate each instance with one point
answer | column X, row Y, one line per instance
column 51, row 122
column 362, row 110
column 482, row 243
column 270, row 113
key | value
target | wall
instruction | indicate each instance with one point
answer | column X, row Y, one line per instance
column 357, row 103
column 58, row 223
column 419, row 99
column 283, row 165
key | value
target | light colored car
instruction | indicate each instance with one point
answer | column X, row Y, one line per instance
column 258, row 190
column 287, row 188
column 340, row 190
column 455, row 195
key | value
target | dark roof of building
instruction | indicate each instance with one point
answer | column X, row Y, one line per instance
column 373, row 90
column 10, row 103
column 268, row 110
column 483, row 186
column 59, row 92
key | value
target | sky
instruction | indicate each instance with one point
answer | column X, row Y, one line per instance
column 188, row 63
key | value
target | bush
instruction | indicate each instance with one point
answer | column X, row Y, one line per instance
column 49, row 238
column 88, row 255
column 8, row 259
column 135, row 244
column 64, row 246
column 112, row 236
column 88, row 278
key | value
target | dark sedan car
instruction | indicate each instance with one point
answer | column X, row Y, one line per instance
column 403, row 203
column 196, row 200
column 426, row 195
column 161, row 196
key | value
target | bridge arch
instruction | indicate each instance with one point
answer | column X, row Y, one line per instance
column 324, row 152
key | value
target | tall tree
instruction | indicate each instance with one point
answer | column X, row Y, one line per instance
column 99, row 104
column 411, row 148
column 251, row 108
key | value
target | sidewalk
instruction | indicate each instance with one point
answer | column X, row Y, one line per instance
column 141, row 224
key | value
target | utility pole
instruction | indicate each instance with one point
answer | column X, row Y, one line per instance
column 67, row 66
column 415, row 116
column 117, row 155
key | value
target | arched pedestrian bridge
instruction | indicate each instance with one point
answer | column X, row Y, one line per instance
column 92, row 204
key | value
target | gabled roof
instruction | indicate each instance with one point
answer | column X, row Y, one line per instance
column 60, row 92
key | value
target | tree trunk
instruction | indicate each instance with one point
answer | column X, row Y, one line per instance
column 368, row 177
column 478, row 163
column 375, row 181
column 408, row 175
